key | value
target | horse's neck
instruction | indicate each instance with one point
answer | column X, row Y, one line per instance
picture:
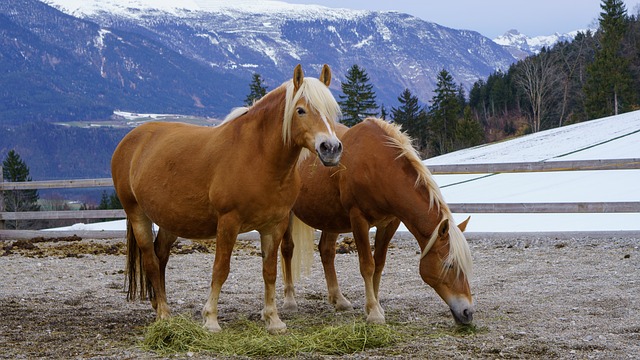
column 417, row 207
column 266, row 124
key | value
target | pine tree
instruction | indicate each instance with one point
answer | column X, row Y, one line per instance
column 383, row 112
column 109, row 201
column 16, row 170
column 411, row 117
column 608, row 88
column 256, row 90
column 443, row 114
column 359, row 99
column 469, row 132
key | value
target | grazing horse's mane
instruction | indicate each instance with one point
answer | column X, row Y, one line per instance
column 459, row 253
column 315, row 92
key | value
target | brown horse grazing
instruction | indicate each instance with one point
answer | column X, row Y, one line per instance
column 202, row 182
column 380, row 182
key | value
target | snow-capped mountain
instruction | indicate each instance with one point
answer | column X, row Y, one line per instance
column 270, row 37
column 88, row 58
column 521, row 46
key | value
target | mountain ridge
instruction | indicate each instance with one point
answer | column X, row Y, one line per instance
column 521, row 45
column 270, row 37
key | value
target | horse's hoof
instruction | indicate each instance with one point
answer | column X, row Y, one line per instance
column 290, row 306
column 212, row 326
column 375, row 319
column 376, row 316
column 277, row 328
column 163, row 314
column 343, row 305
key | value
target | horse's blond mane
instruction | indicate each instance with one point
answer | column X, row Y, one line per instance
column 459, row 253
column 317, row 95
column 400, row 140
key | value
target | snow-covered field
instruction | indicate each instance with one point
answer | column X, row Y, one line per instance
column 616, row 137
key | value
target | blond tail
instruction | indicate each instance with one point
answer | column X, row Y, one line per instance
column 303, row 240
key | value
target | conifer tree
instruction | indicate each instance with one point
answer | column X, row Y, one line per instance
column 608, row 88
column 14, row 169
column 359, row 99
column 469, row 131
column 383, row 112
column 256, row 90
column 443, row 114
column 411, row 117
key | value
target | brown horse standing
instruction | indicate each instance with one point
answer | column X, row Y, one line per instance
column 202, row 182
column 380, row 182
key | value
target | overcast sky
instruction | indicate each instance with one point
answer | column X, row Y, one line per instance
column 491, row 18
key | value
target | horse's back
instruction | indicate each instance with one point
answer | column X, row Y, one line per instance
column 160, row 166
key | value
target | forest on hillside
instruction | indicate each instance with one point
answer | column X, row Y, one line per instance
column 595, row 75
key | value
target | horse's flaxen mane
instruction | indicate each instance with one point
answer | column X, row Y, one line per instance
column 239, row 111
column 317, row 95
column 400, row 140
column 459, row 253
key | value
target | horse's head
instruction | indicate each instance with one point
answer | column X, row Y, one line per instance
column 445, row 265
column 310, row 116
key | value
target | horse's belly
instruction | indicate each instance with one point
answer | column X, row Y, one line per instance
column 326, row 219
column 191, row 225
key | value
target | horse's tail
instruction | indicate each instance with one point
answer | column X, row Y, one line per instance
column 303, row 236
column 137, row 282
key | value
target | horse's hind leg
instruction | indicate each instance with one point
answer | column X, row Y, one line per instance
column 383, row 237
column 327, row 248
column 286, row 249
column 141, row 226
column 162, row 246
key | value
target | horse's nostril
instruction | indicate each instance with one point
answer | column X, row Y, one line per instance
column 324, row 147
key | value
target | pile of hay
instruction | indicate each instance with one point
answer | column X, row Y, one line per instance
column 182, row 334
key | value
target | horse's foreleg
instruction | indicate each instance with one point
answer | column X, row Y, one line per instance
column 327, row 248
column 286, row 248
column 360, row 228
column 269, row 243
column 227, row 232
column 383, row 237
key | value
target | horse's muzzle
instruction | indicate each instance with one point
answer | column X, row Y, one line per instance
column 462, row 310
column 329, row 152
column 465, row 317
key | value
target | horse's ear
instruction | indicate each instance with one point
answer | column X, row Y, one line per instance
column 298, row 76
column 463, row 225
column 325, row 75
column 444, row 228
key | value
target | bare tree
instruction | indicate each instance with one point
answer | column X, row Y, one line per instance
column 538, row 79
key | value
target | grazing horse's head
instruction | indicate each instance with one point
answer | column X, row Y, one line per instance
column 310, row 115
column 445, row 265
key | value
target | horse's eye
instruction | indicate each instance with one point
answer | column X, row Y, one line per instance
column 301, row 111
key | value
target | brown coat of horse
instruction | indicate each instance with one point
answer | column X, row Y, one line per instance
column 380, row 182
column 202, row 182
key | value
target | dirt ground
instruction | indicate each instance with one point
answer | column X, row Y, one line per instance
column 538, row 296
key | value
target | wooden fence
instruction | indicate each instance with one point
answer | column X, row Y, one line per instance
column 564, row 207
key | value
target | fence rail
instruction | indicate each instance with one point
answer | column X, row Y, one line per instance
column 561, row 207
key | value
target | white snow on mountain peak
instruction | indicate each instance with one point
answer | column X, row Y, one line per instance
column 515, row 40
column 133, row 8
